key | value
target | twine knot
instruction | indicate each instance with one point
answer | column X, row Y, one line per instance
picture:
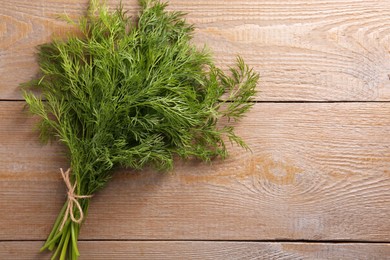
column 72, row 200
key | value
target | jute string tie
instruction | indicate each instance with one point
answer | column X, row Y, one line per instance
column 72, row 200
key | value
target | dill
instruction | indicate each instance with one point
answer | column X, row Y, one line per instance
column 132, row 94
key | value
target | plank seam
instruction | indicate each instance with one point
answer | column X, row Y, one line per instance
column 215, row 241
column 275, row 101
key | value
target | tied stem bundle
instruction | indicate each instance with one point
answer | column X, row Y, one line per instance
column 72, row 200
column 131, row 94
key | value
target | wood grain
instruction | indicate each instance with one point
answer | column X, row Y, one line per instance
column 317, row 50
column 316, row 172
column 203, row 250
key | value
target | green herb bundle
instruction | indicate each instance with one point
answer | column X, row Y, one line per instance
column 131, row 94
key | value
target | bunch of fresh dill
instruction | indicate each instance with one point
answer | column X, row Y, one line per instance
column 131, row 94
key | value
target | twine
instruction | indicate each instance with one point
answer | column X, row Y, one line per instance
column 72, row 200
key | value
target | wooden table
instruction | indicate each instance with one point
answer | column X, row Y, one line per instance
column 315, row 186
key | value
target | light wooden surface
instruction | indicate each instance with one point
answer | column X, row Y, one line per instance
column 304, row 50
column 315, row 172
column 149, row 250
column 317, row 183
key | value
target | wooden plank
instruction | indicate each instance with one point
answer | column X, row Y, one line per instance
column 322, row 50
column 316, row 172
column 203, row 250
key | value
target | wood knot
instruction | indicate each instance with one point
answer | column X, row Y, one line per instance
column 276, row 171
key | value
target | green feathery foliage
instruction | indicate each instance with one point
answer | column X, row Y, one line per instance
column 133, row 94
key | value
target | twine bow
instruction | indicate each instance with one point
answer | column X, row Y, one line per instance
column 72, row 200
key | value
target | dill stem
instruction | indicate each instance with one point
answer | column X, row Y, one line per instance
column 74, row 234
column 61, row 243
column 65, row 240
column 65, row 244
column 55, row 230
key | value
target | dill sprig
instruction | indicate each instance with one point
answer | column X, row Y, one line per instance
column 132, row 94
